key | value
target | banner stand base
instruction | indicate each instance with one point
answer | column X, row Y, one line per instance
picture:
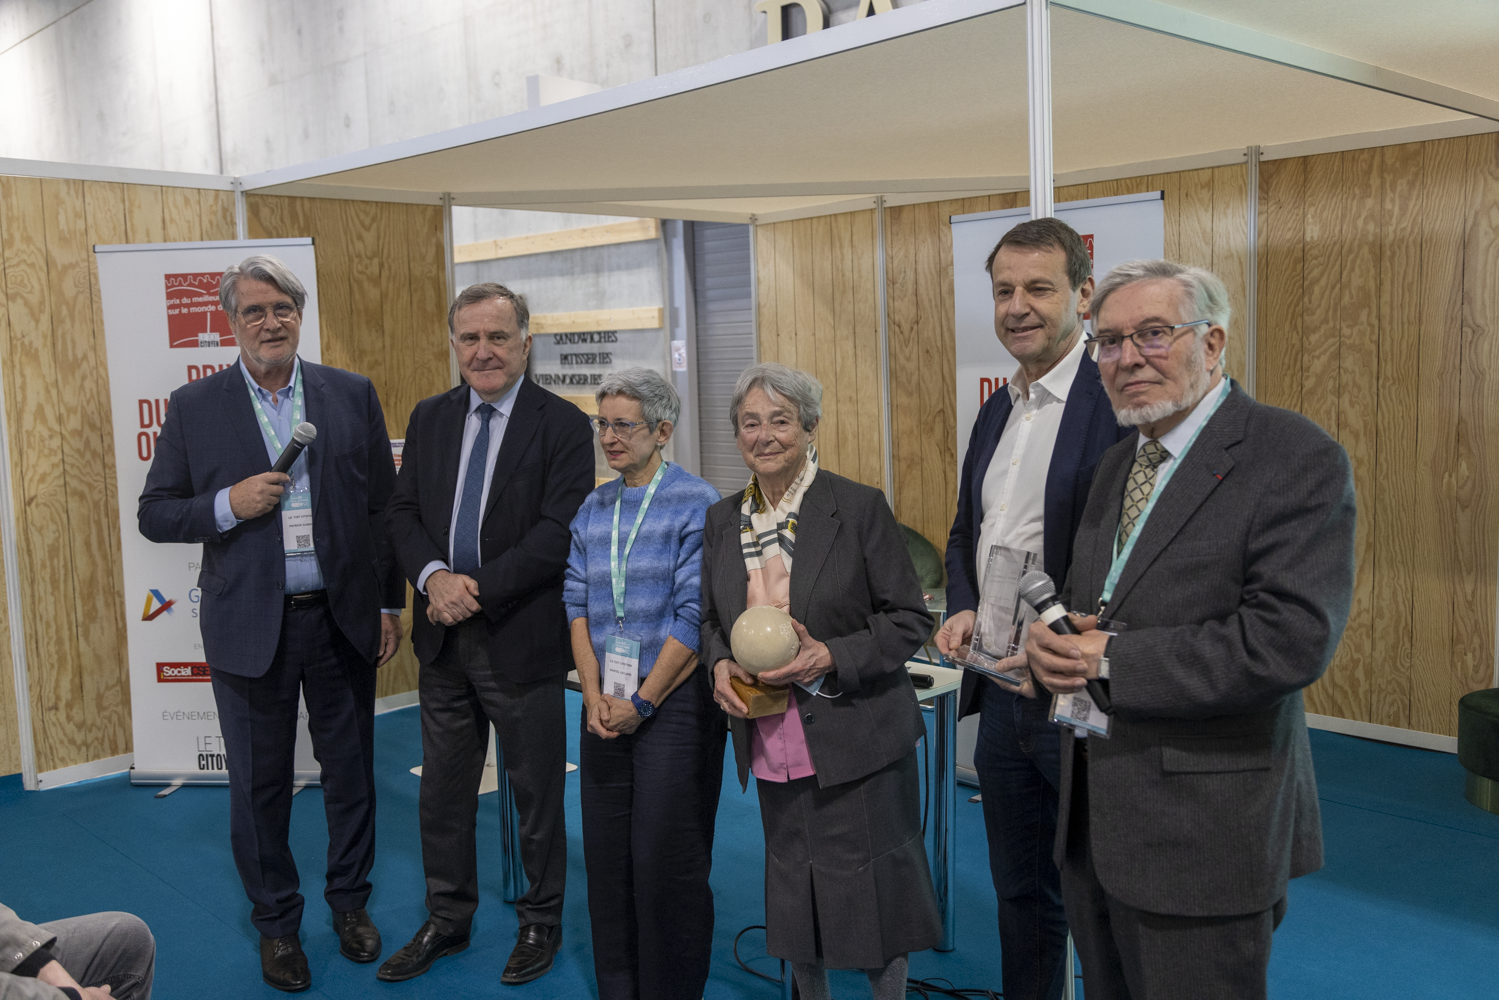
column 139, row 776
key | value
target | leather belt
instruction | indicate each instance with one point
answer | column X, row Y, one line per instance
column 300, row 602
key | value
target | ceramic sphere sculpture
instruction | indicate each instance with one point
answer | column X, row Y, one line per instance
column 764, row 639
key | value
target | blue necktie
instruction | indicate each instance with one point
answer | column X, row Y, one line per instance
column 466, row 544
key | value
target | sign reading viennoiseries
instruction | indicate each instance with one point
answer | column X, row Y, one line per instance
column 163, row 328
column 1114, row 230
column 574, row 363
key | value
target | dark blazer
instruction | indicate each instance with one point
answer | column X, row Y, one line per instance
column 1203, row 801
column 854, row 588
column 1088, row 430
column 542, row 473
column 211, row 439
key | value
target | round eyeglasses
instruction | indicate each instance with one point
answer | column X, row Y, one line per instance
column 256, row 315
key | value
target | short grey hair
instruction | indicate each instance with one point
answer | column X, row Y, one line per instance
column 483, row 292
column 260, row 267
column 1202, row 290
column 799, row 388
column 658, row 400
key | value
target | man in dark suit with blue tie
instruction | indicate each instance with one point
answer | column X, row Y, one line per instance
column 286, row 612
column 1025, row 481
column 491, row 475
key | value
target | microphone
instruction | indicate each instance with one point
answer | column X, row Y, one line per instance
column 301, row 436
column 1037, row 590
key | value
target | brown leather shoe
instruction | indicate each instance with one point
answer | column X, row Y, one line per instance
column 535, row 947
column 283, row 965
column 417, row 955
column 358, row 938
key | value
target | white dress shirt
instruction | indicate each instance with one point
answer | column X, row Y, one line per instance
column 1014, row 492
column 498, row 421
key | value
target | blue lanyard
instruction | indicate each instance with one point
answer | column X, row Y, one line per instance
column 1162, row 478
column 617, row 561
column 296, row 409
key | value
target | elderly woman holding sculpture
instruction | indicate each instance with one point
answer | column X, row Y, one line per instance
column 651, row 750
column 846, row 879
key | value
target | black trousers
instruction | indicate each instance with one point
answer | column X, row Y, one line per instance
column 1132, row 954
column 258, row 718
column 461, row 694
column 649, row 804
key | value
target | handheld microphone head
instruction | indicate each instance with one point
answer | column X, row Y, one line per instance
column 1036, row 588
column 304, row 433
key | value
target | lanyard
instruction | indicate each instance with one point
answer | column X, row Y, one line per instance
column 1162, row 478
column 296, row 409
column 616, row 560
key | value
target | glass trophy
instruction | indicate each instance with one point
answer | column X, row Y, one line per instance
column 1002, row 619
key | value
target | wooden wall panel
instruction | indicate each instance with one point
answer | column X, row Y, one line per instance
column 382, row 301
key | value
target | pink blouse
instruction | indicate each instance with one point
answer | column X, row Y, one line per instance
column 778, row 744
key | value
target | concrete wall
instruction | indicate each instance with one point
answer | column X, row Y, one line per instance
column 233, row 87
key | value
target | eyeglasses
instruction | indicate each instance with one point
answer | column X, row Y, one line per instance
column 256, row 315
column 622, row 428
column 1152, row 341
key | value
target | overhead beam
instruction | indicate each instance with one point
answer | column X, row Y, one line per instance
column 629, row 231
column 1192, row 27
column 590, row 320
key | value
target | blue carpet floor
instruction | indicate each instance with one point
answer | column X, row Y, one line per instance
column 1407, row 906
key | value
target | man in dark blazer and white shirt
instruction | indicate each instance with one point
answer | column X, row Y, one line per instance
column 1221, row 535
column 492, row 473
column 1025, row 480
column 278, row 619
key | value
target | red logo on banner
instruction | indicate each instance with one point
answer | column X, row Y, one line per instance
column 176, row 673
column 1087, row 242
column 194, row 317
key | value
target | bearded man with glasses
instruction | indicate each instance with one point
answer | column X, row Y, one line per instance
column 1221, row 535
column 300, row 596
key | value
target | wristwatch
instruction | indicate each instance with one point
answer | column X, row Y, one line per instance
column 643, row 708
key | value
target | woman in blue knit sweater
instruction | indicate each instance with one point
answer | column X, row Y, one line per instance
column 652, row 744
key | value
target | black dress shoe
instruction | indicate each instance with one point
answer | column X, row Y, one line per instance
column 535, row 947
column 419, row 953
column 358, row 938
column 283, row 965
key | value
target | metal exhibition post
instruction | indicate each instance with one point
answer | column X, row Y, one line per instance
column 1038, row 85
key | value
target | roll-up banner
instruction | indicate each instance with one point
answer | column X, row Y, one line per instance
column 1114, row 230
column 163, row 328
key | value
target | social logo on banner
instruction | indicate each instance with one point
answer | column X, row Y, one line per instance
column 155, row 605
column 194, row 316
column 176, row 673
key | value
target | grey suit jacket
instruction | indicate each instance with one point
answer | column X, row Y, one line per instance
column 1203, row 802
column 854, row 588
column 19, row 940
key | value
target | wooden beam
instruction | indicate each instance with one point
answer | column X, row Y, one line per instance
column 641, row 318
column 630, row 231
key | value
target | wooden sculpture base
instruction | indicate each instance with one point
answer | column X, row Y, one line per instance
column 761, row 699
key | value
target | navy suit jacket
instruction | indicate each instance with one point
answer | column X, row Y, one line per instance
column 211, row 439
column 542, row 474
column 1088, row 430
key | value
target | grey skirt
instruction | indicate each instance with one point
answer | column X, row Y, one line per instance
column 846, row 875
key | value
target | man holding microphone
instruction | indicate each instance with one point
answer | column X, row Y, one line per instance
column 1219, row 539
column 301, row 596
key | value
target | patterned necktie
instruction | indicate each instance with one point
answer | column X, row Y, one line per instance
column 466, row 532
column 1141, row 484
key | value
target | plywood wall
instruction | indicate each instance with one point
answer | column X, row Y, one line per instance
column 818, row 311
column 382, row 303
column 807, row 271
column 62, row 453
column 1379, row 295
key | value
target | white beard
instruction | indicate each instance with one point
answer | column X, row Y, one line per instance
column 1191, row 394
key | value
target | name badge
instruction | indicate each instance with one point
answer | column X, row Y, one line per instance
column 1078, row 711
column 296, row 521
column 621, row 666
